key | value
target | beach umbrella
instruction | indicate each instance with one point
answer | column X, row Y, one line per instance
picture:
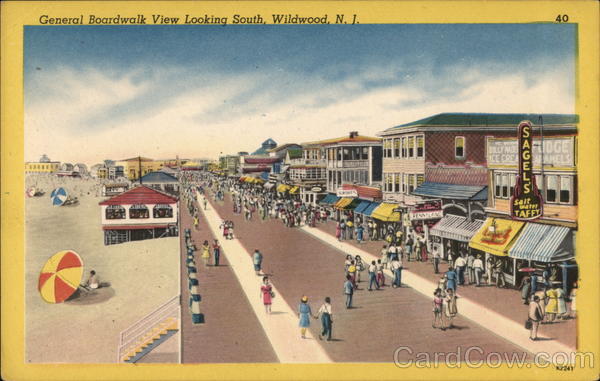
column 59, row 196
column 60, row 276
column 30, row 192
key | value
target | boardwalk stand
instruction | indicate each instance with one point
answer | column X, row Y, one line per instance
column 197, row 317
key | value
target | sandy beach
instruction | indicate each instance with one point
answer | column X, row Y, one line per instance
column 142, row 275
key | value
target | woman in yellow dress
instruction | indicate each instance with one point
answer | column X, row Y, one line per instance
column 552, row 303
column 205, row 252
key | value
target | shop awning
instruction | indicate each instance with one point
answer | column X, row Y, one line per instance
column 294, row 190
column 362, row 206
column 352, row 205
column 543, row 243
column 369, row 210
column 283, row 188
column 452, row 191
column 329, row 199
column 385, row 212
column 269, row 185
column 496, row 236
column 343, row 202
column 456, row 227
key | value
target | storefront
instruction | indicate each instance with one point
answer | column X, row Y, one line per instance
column 550, row 247
column 423, row 216
column 387, row 218
column 453, row 232
column 495, row 238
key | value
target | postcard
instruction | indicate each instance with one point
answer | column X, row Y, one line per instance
column 309, row 190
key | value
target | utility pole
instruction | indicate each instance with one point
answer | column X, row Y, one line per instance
column 140, row 169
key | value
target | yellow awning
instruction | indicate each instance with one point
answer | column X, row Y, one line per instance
column 283, row 188
column 343, row 202
column 294, row 190
column 385, row 212
column 496, row 236
column 258, row 180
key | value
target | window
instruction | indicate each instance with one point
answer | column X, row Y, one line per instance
column 388, row 182
column 346, row 153
column 498, row 185
column 387, row 148
column 338, row 153
column 396, row 147
column 420, row 179
column 513, row 179
column 411, row 146
column 397, row 182
column 138, row 211
column 365, row 153
column 459, row 147
column 505, row 185
column 566, row 185
column 162, row 211
column 115, row 212
column 411, row 183
column 404, row 147
column 420, row 146
column 551, row 188
column 404, row 181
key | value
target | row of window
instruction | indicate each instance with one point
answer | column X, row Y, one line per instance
column 337, row 178
column 116, row 212
column 553, row 188
column 42, row 166
column 307, row 173
column 348, row 153
column 402, row 182
column 314, row 154
column 405, row 147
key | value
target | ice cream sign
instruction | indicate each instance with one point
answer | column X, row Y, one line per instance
column 526, row 202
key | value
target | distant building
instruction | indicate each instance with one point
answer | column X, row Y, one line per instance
column 161, row 181
column 138, row 214
column 44, row 165
column 132, row 166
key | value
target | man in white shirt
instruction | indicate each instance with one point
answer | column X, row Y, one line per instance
column 326, row 319
column 396, row 268
column 373, row 276
column 460, row 265
column 478, row 268
column 470, row 270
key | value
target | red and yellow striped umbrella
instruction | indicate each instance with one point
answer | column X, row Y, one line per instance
column 60, row 276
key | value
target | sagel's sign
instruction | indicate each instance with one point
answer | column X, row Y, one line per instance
column 526, row 202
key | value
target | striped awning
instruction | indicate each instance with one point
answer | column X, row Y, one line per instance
column 362, row 207
column 386, row 212
column 329, row 199
column 343, row 202
column 496, row 236
column 456, row 227
column 369, row 211
column 283, row 188
column 543, row 243
column 294, row 190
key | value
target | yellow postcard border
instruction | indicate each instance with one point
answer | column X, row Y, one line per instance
column 16, row 14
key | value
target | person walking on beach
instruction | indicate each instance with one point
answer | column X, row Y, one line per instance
column 451, row 279
column 373, row 276
column 216, row 252
column 536, row 315
column 326, row 319
column 304, row 314
column 396, row 268
column 352, row 274
column 348, row 291
column 257, row 259
column 266, row 293
column 450, row 311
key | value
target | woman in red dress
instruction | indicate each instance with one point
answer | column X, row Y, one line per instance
column 266, row 294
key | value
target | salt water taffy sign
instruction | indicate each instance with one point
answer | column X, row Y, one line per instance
column 526, row 202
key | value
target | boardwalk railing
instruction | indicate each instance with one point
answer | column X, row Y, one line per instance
column 141, row 327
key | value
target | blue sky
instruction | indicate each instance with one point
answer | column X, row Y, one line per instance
column 195, row 90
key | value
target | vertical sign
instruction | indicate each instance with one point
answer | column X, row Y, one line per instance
column 526, row 202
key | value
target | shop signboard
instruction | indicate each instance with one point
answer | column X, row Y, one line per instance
column 316, row 189
column 427, row 210
column 349, row 193
column 526, row 203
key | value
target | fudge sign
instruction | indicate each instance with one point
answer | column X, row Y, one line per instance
column 526, row 202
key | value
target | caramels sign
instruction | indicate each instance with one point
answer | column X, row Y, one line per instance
column 526, row 202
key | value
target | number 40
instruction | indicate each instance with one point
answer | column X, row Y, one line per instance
column 562, row 18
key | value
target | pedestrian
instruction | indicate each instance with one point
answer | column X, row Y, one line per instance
column 438, row 304
column 196, row 223
column 359, row 233
column 304, row 314
column 204, row 201
column 380, row 276
column 489, row 268
column 326, row 319
column 217, row 252
column 350, row 229
column 266, row 293
column 338, row 231
column 348, row 291
column 373, row 276
column 343, row 228
column 535, row 316
column 460, row 265
column 396, row 268
column 451, row 310
column 470, row 268
column 436, row 259
column 562, row 304
column 552, row 303
column 391, row 253
column 352, row 273
column 500, row 281
column 408, row 247
column 478, row 269
column 257, row 259
column 384, row 256
column 534, row 283
column 525, row 288
column 205, row 252
column 360, row 267
column 451, row 279
column 424, row 256
column 347, row 263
